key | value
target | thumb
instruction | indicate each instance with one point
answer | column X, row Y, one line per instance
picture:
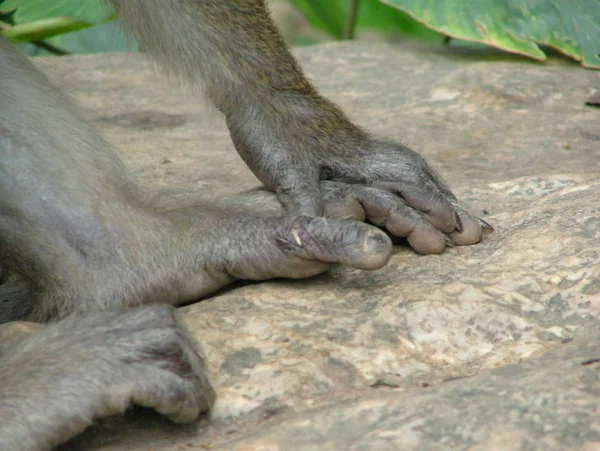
column 351, row 243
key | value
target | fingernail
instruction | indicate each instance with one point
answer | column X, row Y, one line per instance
column 377, row 243
column 458, row 222
column 297, row 237
column 486, row 227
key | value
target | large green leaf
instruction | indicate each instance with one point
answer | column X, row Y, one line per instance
column 32, row 10
column 327, row 17
column 330, row 16
column 570, row 26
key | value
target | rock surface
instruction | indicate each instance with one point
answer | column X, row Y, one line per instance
column 494, row 346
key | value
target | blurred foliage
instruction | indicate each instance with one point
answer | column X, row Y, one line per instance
column 331, row 17
column 61, row 26
column 520, row 26
column 570, row 26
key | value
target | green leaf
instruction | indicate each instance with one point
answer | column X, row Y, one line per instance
column 44, row 28
column 374, row 15
column 570, row 26
column 33, row 10
column 330, row 16
column 325, row 16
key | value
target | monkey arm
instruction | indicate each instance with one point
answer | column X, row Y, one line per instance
column 57, row 382
column 84, row 236
column 289, row 135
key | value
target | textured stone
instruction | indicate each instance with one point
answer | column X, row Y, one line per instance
column 482, row 347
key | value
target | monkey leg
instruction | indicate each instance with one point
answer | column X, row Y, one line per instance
column 56, row 382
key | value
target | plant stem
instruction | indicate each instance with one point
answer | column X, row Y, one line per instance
column 50, row 48
column 350, row 28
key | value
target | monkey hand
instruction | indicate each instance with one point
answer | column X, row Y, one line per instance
column 424, row 231
column 59, row 380
column 304, row 139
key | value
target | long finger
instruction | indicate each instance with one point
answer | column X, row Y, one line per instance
column 428, row 199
